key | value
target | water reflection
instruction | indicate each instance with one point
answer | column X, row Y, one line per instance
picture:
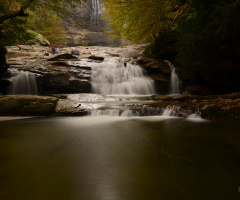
column 110, row 158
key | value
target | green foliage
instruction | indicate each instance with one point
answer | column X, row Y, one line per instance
column 205, row 30
column 141, row 21
column 16, row 16
column 209, row 32
column 31, row 33
column 164, row 46
column 31, row 42
column 49, row 25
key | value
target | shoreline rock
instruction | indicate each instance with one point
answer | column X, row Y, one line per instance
column 213, row 107
column 27, row 105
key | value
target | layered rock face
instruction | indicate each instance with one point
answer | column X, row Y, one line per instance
column 62, row 73
column 85, row 25
column 54, row 74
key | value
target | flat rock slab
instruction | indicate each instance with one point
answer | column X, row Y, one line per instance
column 27, row 105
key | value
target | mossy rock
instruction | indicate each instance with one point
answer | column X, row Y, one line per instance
column 36, row 38
column 27, row 105
column 220, row 111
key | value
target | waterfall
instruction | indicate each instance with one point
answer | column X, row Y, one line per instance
column 113, row 76
column 169, row 111
column 107, row 112
column 22, row 83
column 96, row 10
column 174, row 84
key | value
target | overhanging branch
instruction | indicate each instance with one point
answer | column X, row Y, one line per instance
column 19, row 13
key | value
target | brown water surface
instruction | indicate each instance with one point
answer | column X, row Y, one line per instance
column 114, row 158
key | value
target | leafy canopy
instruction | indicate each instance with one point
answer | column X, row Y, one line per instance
column 18, row 15
column 209, row 31
column 200, row 32
column 141, row 21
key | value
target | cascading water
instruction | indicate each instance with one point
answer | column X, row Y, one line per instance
column 169, row 111
column 113, row 76
column 96, row 10
column 174, row 85
column 22, row 83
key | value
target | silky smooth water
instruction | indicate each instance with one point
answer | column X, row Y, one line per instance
column 22, row 83
column 113, row 76
column 96, row 10
column 119, row 158
column 174, row 81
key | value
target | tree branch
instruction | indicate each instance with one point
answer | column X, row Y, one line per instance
column 18, row 13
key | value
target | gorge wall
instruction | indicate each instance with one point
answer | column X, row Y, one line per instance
column 85, row 25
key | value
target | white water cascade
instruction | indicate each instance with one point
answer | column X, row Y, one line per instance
column 22, row 83
column 96, row 10
column 169, row 111
column 174, row 85
column 113, row 76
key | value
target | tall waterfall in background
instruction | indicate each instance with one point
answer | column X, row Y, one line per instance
column 113, row 76
column 96, row 10
column 22, row 83
column 174, row 85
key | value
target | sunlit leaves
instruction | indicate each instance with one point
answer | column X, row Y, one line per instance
column 17, row 15
column 141, row 21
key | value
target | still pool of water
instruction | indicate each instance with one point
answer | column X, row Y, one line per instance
column 117, row 158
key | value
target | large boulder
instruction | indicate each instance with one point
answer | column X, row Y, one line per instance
column 159, row 71
column 154, row 66
column 63, row 77
column 62, row 73
column 43, row 41
column 27, row 105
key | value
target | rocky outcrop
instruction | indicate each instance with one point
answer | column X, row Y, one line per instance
column 43, row 41
column 209, row 107
column 16, row 105
column 155, row 67
column 55, row 74
column 63, row 72
column 84, row 26
column 56, row 77
column 159, row 71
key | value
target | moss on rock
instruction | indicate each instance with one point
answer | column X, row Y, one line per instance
column 27, row 105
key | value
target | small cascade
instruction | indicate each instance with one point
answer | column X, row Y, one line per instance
column 194, row 116
column 170, row 111
column 174, row 85
column 22, row 83
column 107, row 112
column 96, row 10
column 113, row 76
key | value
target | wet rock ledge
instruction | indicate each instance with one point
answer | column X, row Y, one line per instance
column 209, row 107
column 27, row 105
